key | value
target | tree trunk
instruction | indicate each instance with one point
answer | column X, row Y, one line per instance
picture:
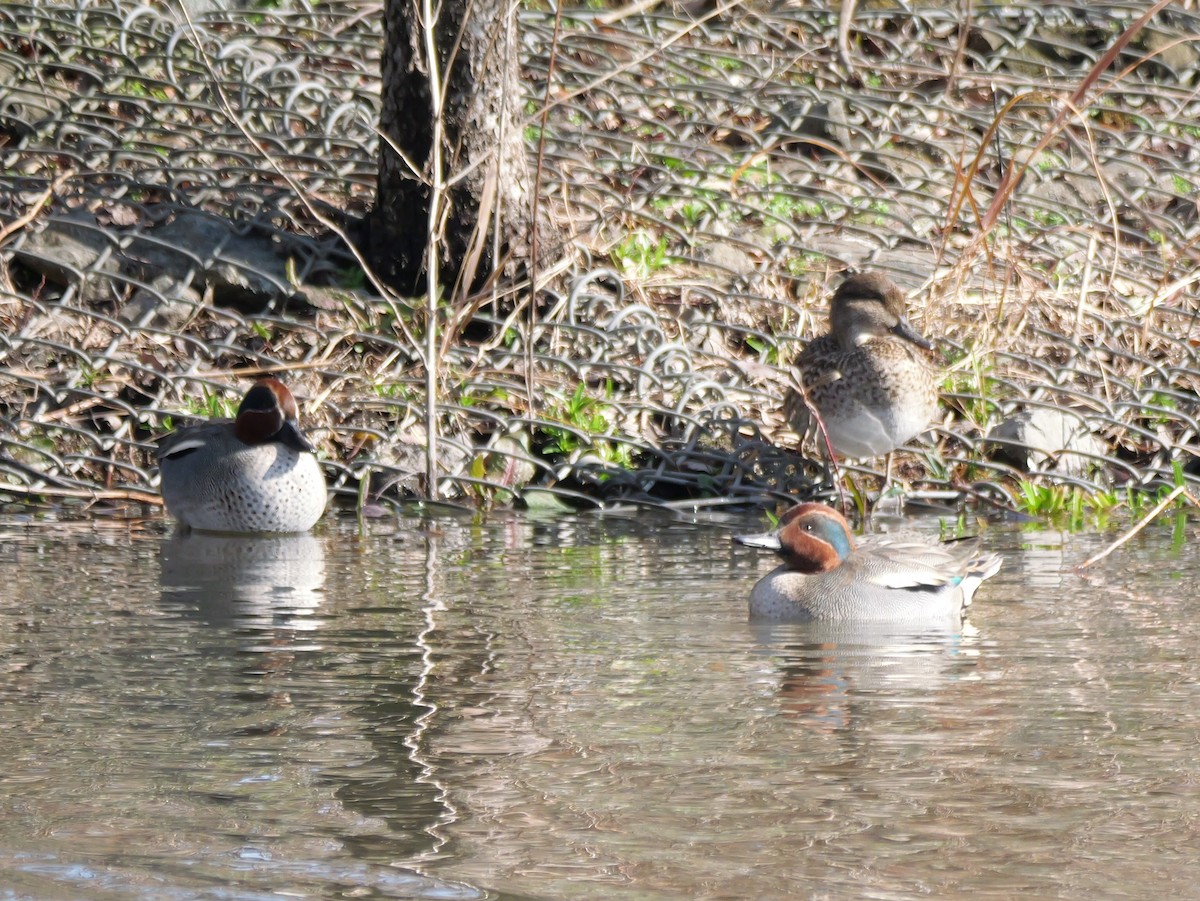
column 483, row 161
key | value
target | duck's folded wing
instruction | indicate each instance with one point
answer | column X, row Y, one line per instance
column 185, row 440
column 910, row 564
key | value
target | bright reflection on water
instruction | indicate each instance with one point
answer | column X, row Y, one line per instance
column 578, row 708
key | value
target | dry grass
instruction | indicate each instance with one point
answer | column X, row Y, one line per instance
column 717, row 175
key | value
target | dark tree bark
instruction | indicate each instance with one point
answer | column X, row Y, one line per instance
column 483, row 154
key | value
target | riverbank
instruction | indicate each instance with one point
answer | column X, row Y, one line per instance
column 162, row 243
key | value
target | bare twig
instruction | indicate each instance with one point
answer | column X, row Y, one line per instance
column 1012, row 175
column 845, row 21
column 1150, row 517
column 437, row 203
column 616, row 15
column 34, row 208
column 660, row 47
column 301, row 194
column 535, row 208
column 112, row 494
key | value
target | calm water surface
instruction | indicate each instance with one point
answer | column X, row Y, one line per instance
column 576, row 707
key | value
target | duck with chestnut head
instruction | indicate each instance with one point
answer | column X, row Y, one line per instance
column 255, row 473
column 829, row 575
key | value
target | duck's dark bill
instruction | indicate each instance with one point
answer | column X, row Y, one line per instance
column 768, row 540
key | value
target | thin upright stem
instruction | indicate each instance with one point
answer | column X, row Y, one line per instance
column 437, row 188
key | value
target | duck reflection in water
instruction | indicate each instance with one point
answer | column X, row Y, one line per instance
column 257, row 582
column 829, row 674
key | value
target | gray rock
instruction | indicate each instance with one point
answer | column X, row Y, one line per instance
column 330, row 299
column 242, row 269
column 1048, row 438
column 167, row 304
column 30, row 96
column 197, row 9
column 508, row 463
column 1163, row 55
column 72, row 250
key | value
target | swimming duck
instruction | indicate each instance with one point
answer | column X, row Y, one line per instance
column 828, row 575
column 255, row 473
column 868, row 377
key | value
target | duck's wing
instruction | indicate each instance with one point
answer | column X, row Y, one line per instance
column 818, row 367
column 820, row 363
column 189, row 438
column 910, row 564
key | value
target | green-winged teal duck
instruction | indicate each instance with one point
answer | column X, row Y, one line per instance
column 868, row 378
column 256, row 473
column 830, row 576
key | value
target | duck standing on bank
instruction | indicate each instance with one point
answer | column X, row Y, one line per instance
column 255, row 473
column 868, row 378
column 828, row 575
